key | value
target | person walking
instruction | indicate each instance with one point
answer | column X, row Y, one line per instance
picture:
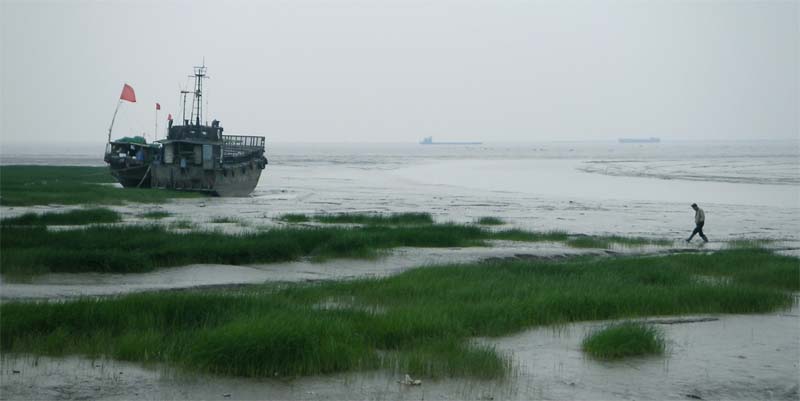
column 699, row 221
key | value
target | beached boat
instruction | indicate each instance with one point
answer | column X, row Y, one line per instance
column 198, row 157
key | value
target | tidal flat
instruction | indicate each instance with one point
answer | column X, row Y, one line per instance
column 728, row 347
column 443, row 324
column 418, row 321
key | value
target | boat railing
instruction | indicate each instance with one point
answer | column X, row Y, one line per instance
column 241, row 146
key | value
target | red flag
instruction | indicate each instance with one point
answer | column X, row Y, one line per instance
column 128, row 94
column 158, row 106
column 169, row 117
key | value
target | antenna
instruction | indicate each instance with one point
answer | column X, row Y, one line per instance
column 197, row 99
column 184, row 93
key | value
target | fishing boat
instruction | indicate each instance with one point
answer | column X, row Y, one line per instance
column 197, row 156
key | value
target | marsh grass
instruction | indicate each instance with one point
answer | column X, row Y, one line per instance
column 601, row 242
column 362, row 218
column 142, row 248
column 70, row 185
column 72, row 217
column 490, row 221
column 376, row 219
column 294, row 218
column 622, row 340
column 516, row 234
column 225, row 219
column 182, row 225
column 155, row 215
column 744, row 243
column 427, row 315
column 27, row 250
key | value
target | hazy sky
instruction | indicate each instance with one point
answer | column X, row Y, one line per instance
column 396, row 71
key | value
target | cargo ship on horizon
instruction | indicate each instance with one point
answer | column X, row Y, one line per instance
column 652, row 139
column 428, row 140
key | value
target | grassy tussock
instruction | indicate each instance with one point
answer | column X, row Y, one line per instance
column 490, row 221
column 221, row 220
column 425, row 320
column 612, row 240
column 294, row 218
column 70, row 218
column 376, row 219
column 624, row 340
column 516, row 234
column 69, row 185
column 749, row 243
column 181, row 225
column 155, row 215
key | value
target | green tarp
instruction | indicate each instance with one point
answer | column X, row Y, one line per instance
column 134, row 139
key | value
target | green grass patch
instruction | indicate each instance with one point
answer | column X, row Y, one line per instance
column 490, row 221
column 294, row 218
column 70, row 185
column 142, row 248
column 70, row 218
column 602, row 242
column 362, row 218
column 28, row 250
column 516, row 234
column 376, row 219
column 220, row 220
column 745, row 243
column 419, row 322
column 622, row 340
column 181, row 225
column 155, row 215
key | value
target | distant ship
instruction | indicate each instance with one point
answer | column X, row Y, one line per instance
column 428, row 140
column 640, row 140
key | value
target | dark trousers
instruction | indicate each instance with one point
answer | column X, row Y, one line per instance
column 699, row 230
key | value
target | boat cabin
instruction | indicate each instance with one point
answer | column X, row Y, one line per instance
column 204, row 146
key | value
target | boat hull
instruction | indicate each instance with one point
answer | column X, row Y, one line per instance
column 237, row 180
column 131, row 176
column 129, row 162
column 136, row 177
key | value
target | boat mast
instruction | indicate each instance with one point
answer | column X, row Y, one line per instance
column 197, row 100
column 112, row 119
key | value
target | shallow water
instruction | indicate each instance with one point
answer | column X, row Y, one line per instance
column 737, row 357
column 568, row 179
